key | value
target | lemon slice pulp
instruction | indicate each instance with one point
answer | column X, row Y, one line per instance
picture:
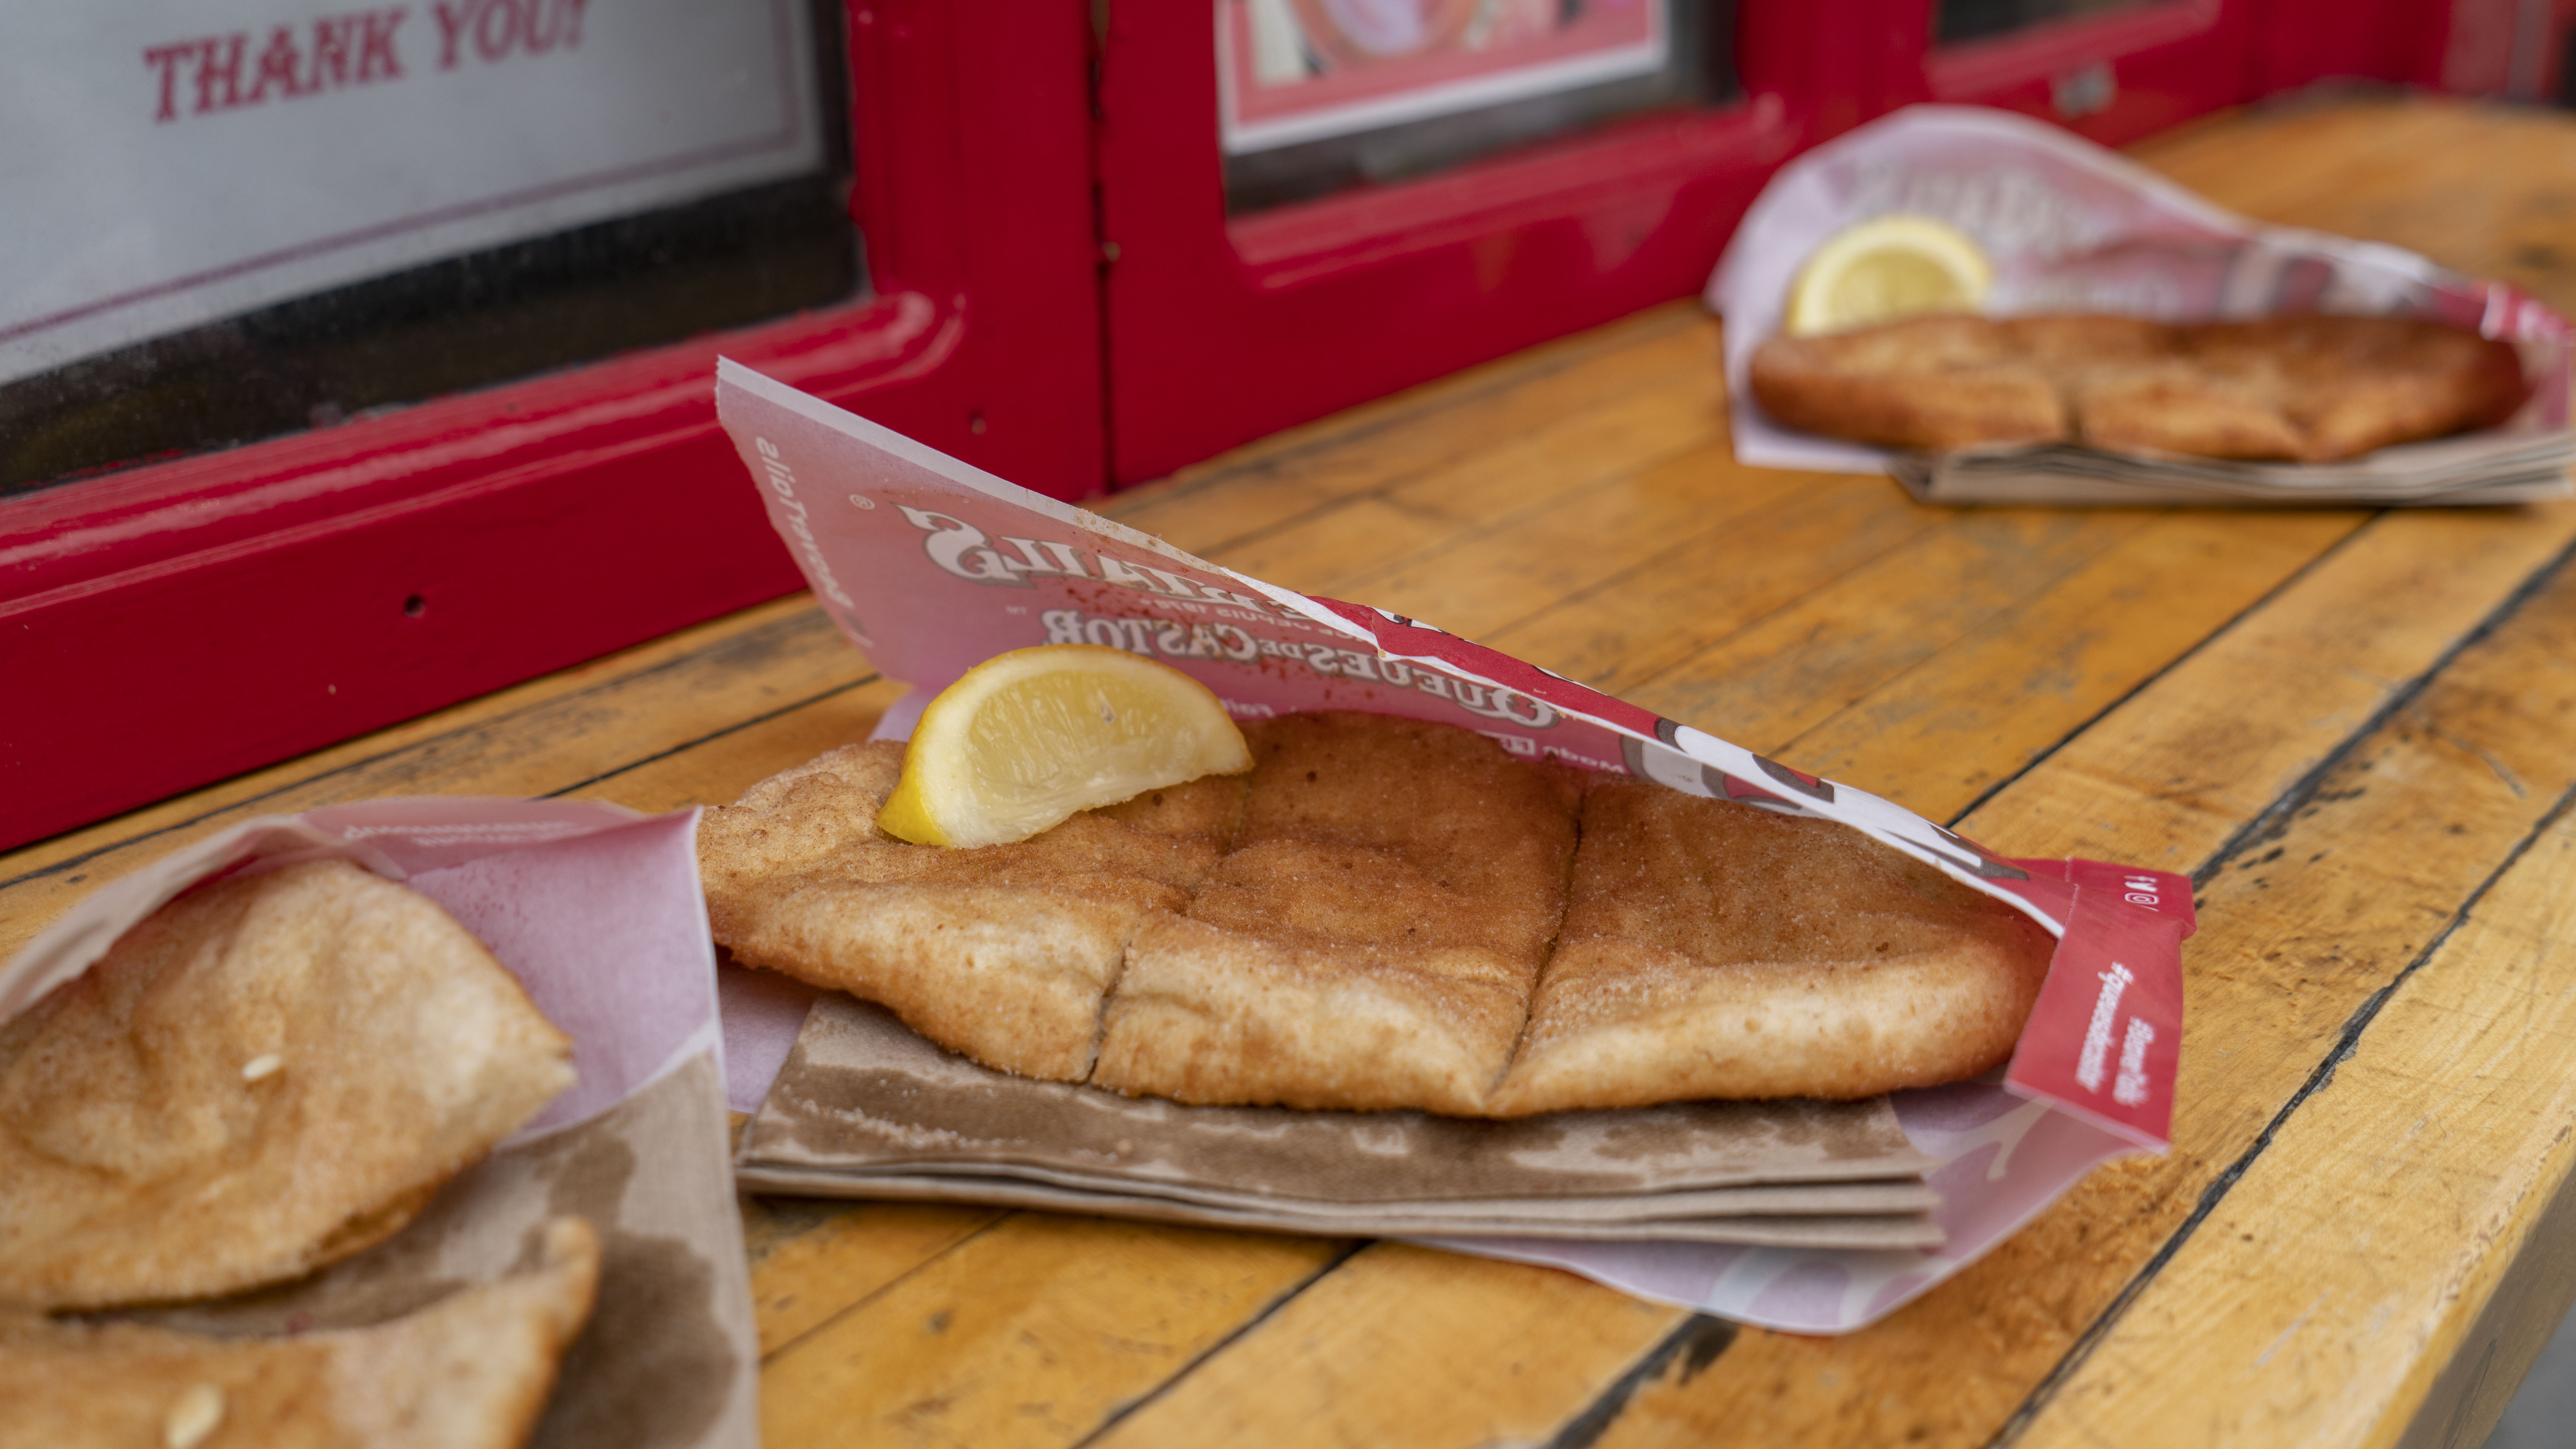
column 1891, row 266
column 1030, row 738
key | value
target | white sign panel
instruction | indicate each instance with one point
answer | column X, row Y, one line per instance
column 163, row 164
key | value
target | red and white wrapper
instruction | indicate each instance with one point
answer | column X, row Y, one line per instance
column 933, row 566
column 2072, row 227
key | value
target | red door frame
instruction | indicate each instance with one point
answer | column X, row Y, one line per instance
column 170, row 625
column 1220, row 331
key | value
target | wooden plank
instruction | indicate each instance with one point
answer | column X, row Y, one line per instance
column 1278, row 480
column 2342, row 1271
column 1325, row 549
column 1509, row 1349
column 1705, row 587
column 1992, row 701
column 716, row 771
column 2235, row 159
column 1682, row 410
column 1342, row 549
column 2170, row 775
column 812, row 1258
column 2299, row 929
column 1029, row 1335
column 1792, row 670
column 1482, row 584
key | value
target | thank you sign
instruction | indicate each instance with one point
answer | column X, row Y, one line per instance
column 163, row 164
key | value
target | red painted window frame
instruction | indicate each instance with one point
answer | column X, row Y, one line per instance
column 1221, row 331
column 2172, row 60
column 170, row 625
column 2300, row 42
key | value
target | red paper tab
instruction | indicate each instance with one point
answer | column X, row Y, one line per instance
column 2105, row 1037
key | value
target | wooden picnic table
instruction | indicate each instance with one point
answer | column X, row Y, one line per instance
column 2355, row 729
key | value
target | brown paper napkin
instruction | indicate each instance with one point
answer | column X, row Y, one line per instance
column 866, row 1108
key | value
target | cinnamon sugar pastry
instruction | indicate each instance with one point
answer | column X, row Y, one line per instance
column 265, row 1076
column 471, row 1371
column 1388, row 913
column 2310, row 389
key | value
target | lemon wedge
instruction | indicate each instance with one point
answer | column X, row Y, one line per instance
column 1028, row 739
column 1891, row 266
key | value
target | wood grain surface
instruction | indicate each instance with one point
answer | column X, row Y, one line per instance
column 2355, row 730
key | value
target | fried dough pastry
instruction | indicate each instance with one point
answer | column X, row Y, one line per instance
column 1395, row 914
column 1371, row 939
column 2313, row 389
column 471, row 1371
column 1711, row 949
column 1003, row 952
column 266, row 1075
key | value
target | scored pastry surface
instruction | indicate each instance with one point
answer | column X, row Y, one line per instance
column 1712, row 949
column 1371, row 939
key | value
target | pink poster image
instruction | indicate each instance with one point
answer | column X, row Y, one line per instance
column 1301, row 70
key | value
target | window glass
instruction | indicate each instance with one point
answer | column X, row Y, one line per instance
column 1318, row 96
column 230, row 222
column 1956, row 20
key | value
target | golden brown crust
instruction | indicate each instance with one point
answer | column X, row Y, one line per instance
column 1712, row 949
column 1395, row 909
column 2310, row 389
column 1004, row 952
column 1372, row 938
column 1872, row 386
column 266, row 1075
column 469, row 1372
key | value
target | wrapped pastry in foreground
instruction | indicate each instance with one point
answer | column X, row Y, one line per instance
column 267, row 1075
column 1388, row 913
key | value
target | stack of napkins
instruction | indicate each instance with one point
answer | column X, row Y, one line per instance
column 867, row 1108
column 2488, row 467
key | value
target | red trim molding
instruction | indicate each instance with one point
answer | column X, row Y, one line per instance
column 170, row 625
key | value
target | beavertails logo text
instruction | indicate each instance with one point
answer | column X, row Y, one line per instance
column 212, row 73
column 964, row 551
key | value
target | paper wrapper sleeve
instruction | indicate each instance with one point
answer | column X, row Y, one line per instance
column 598, row 912
column 933, row 566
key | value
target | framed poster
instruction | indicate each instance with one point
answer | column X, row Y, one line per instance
column 1301, row 70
